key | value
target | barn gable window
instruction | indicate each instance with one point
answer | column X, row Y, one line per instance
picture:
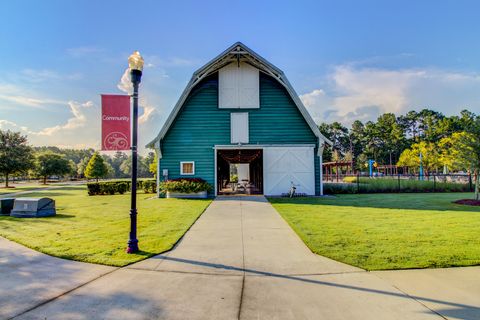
column 187, row 168
column 238, row 86
column 239, row 127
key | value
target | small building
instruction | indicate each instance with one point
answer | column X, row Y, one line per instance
column 239, row 114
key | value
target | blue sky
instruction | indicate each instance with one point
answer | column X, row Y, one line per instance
column 346, row 59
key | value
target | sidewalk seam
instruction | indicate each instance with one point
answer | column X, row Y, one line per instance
column 62, row 294
column 421, row 303
column 243, row 263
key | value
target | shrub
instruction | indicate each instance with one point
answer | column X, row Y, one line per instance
column 122, row 187
column 149, row 186
column 93, row 189
column 186, row 185
column 392, row 185
column 119, row 186
column 339, row 188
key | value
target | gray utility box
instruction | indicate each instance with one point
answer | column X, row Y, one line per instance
column 33, row 208
column 6, row 206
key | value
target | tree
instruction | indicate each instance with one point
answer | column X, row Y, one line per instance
column 408, row 158
column 409, row 124
column 411, row 157
column 152, row 167
column 49, row 164
column 142, row 167
column 15, row 155
column 450, row 154
column 96, row 167
column 117, row 161
column 338, row 134
column 468, row 148
column 357, row 138
column 389, row 138
column 82, row 165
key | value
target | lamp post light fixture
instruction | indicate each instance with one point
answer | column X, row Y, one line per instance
column 135, row 63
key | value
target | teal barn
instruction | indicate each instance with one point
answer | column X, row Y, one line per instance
column 240, row 126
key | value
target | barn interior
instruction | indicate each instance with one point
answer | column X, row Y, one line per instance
column 240, row 171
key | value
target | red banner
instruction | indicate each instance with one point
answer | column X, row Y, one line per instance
column 115, row 122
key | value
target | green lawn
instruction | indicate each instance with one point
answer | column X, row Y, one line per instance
column 95, row 229
column 387, row 231
column 20, row 188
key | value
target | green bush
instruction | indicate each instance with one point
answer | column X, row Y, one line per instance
column 118, row 186
column 122, row 187
column 93, row 189
column 392, row 185
column 150, row 186
column 339, row 188
column 185, row 185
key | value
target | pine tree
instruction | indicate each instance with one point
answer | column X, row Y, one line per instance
column 96, row 167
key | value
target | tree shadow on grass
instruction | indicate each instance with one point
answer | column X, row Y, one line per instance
column 39, row 219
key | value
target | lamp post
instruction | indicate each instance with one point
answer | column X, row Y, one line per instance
column 135, row 63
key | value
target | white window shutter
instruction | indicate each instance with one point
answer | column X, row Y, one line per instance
column 238, row 86
column 227, row 87
column 239, row 127
column 248, row 87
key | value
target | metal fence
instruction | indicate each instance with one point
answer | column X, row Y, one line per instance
column 363, row 183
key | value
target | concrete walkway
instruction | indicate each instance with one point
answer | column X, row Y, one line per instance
column 29, row 278
column 241, row 261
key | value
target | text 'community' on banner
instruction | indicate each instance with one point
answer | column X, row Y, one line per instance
column 115, row 122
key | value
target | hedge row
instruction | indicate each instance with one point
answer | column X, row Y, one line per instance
column 119, row 186
column 185, row 185
column 386, row 185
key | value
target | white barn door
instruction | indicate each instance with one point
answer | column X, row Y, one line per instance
column 284, row 165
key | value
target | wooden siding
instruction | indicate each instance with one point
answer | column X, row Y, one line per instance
column 201, row 124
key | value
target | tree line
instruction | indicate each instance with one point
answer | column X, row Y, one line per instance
column 386, row 139
column 19, row 159
column 428, row 138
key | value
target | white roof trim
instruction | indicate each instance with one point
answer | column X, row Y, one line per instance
column 234, row 52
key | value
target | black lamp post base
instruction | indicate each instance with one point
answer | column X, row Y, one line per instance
column 132, row 246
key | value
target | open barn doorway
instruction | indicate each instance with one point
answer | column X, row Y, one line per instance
column 239, row 171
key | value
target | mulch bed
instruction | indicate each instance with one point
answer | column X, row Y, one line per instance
column 468, row 202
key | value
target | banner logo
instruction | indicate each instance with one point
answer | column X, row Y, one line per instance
column 115, row 122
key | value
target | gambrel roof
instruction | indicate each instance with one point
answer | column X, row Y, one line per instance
column 233, row 54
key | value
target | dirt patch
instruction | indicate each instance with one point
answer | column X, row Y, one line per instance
column 468, row 202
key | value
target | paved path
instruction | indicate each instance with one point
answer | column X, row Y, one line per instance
column 29, row 278
column 242, row 261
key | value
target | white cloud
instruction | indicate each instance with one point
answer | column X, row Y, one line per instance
column 147, row 109
column 125, row 83
column 20, row 96
column 79, row 119
column 311, row 98
column 364, row 93
column 81, row 130
column 9, row 125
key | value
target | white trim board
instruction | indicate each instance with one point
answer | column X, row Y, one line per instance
column 258, row 146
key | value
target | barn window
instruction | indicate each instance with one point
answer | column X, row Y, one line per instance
column 239, row 127
column 187, row 168
column 238, row 86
